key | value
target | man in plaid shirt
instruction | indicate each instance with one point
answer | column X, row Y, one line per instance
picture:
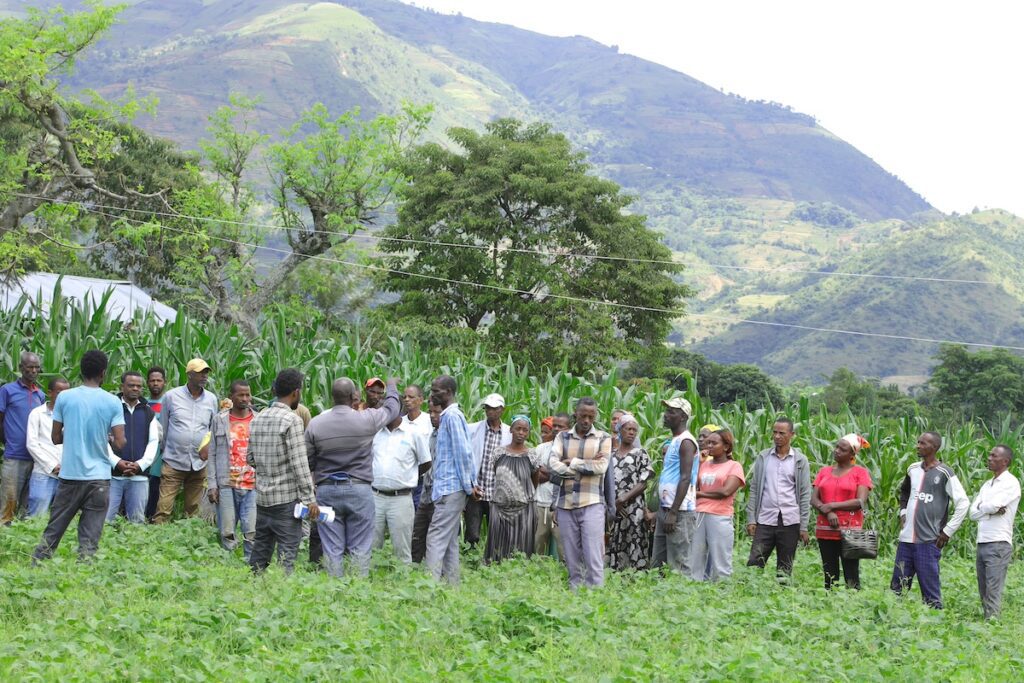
column 277, row 451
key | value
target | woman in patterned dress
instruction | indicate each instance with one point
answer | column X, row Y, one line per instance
column 515, row 478
column 627, row 546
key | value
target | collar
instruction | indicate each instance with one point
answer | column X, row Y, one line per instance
column 30, row 387
column 402, row 427
column 501, row 427
column 574, row 434
column 451, row 406
column 245, row 417
column 782, row 457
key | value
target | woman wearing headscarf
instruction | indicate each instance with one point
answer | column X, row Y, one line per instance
column 705, row 431
column 839, row 495
column 515, row 479
column 718, row 480
column 627, row 546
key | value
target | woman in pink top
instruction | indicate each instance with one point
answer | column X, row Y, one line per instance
column 718, row 480
column 839, row 495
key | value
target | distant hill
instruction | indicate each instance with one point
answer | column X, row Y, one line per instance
column 640, row 120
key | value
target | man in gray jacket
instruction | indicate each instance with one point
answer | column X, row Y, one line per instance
column 231, row 482
column 779, row 501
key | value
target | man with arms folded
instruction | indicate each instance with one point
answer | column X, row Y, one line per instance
column 128, row 481
column 995, row 509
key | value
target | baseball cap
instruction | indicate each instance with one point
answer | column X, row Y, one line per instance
column 374, row 380
column 680, row 403
column 494, row 401
column 197, row 365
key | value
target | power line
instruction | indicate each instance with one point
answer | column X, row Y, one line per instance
column 591, row 302
column 536, row 252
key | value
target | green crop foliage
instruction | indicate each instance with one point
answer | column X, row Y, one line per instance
column 65, row 332
column 166, row 603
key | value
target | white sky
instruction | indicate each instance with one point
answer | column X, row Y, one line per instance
column 931, row 90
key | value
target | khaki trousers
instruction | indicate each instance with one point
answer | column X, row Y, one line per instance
column 171, row 482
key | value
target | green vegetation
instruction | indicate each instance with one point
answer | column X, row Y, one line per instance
column 161, row 603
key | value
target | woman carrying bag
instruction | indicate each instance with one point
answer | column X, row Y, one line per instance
column 840, row 495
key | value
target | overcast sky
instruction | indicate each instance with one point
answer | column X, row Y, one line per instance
column 932, row 91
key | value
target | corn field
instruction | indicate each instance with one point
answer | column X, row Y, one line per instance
column 61, row 334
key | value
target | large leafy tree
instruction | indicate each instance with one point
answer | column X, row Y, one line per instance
column 502, row 196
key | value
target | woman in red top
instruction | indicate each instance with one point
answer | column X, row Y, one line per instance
column 839, row 495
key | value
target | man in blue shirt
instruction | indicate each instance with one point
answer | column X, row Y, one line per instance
column 84, row 418
column 454, row 479
column 17, row 400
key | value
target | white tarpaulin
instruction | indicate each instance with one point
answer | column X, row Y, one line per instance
column 126, row 300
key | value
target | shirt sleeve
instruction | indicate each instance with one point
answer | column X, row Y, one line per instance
column 295, row 445
column 819, row 476
column 117, row 414
column 864, row 477
column 960, row 504
column 151, row 446
column 996, row 498
column 737, row 471
column 58, row 412
column 421, row 445
column 3, row 399
column 599, row 463
column 555, row 459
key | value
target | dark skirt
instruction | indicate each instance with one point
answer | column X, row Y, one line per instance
column 511, row 531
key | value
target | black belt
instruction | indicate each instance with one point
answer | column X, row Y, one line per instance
column 396, row 492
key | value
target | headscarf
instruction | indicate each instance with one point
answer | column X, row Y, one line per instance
column 856, row 442
column 548, row 422
column 625, row 419
column 711, row 427
column 524, row 418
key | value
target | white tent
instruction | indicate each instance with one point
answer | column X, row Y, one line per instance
column 126, row 300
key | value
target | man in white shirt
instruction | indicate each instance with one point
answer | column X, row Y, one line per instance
column 412, row 402
column 400, row 453
column 46, row 455
column 547, row 492
column 128, row 481
column 994, row 509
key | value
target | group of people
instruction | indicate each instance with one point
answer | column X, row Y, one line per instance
column 375, row 465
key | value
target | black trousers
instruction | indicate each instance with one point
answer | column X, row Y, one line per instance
column 316, row 546
column 420, row 526
column 831, row 558
column 276, row 526
column 154, row 496
column 88, row 497
column 782, row 539
column 476, row 510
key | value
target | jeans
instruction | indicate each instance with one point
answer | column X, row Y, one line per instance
column 832, row 558
column 674, row 548
column 583, row 544
column 397, row 514
column 14, row 478
column 711, row 550
column 351, row 532
column 135, row 495
column 41, row 489
column 171, row 482
column 276, row 525
column 782, row 539
column 443, row 537
column 236, row 507
column 992, row 562
column 88, row 497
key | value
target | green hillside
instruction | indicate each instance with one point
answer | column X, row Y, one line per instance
column 985, row 246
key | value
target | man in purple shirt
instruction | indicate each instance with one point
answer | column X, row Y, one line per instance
column 779, row 501
column 17, row 400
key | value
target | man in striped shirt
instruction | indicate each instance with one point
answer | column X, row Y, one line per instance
column 454, row 479
column 927, row 490
column 277, row 451
column 580, row 456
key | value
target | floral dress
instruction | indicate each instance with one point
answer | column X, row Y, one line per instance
column 627, row 539
column 512, row 524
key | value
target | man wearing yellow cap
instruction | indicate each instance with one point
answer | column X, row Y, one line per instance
column 187, row 417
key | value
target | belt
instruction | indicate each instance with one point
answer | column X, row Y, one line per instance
column 340, row 482
column 396, row 492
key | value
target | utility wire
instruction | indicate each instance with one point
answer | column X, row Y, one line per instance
column 590, row 302
column 536, row 252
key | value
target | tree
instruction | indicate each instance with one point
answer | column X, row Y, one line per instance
column 984, row 384
column 53, row 144
column 501, row 197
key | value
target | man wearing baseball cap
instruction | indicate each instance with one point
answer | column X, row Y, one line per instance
column 187, row 416
column 374, row 391
column 677, row 490
column 485, row 436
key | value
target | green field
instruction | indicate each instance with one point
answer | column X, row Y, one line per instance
column 165, row 603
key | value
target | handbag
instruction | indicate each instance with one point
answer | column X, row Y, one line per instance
column 859, row 544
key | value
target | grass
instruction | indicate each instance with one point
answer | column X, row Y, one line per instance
column 165, row 603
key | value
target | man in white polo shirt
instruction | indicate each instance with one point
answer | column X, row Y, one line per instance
column 400, row 453
column 994, row 509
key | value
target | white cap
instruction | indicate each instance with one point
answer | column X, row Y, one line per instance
column 494, row 401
